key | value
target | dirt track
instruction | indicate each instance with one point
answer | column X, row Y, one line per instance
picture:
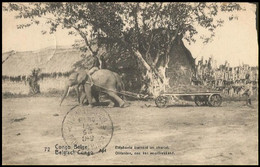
column 196, row 135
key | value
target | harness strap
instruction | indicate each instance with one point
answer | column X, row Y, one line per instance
column 122, row 93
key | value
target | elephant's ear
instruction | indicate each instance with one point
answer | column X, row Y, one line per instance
column 89, row 79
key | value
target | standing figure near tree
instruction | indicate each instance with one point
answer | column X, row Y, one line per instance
column 95, row 65
column 33, row 82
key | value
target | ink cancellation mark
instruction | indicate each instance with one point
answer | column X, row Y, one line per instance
column 87, row 130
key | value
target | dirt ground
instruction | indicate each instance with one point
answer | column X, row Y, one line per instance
column 197, row 135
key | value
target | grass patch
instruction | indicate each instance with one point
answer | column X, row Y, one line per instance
column 50, row 93
column 13, row 95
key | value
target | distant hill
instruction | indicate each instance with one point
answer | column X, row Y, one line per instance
column 49, row 60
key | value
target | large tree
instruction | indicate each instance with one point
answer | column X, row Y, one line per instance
column 145, row 30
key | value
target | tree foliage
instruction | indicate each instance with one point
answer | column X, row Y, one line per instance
column 146, row 30
column 124, row 20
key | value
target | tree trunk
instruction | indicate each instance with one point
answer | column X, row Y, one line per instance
column 140, row 57
column 157, row 79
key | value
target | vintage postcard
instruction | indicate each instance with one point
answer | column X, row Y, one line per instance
column 156, row 83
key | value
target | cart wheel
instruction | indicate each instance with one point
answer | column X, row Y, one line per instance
column 215, row 100
column 161, row 101
column 200, row 101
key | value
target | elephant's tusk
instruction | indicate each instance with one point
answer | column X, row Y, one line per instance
column 68, row 92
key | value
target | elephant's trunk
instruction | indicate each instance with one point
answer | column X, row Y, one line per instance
column 66, row 92
column 123, row 96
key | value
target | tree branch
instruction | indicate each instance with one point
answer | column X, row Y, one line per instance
column 149, row 45
column 167, row 59
column 156, row 59
column 135, row 14
column 83, row 35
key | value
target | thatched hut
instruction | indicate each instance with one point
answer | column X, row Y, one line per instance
column 54, row 62
column 49, row 60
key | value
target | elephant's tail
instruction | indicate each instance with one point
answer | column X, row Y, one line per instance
column 121, row 86
column 122, row 90
column 65, row 94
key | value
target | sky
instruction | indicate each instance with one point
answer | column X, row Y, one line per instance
column 235, row 42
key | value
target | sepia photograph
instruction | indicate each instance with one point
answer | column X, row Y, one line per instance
column 130, row 83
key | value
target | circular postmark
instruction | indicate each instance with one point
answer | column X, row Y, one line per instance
column 89, row 130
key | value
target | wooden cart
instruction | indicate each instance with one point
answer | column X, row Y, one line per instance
column 201, row 98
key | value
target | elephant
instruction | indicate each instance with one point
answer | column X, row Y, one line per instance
column 108, row 82
column 103, row 81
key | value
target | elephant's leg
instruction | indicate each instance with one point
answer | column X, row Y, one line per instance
column 96, row 97
column 83, row 95
column 122, row 96
column 95, row 94
column 116, row 98
column 78, row 93
column 88, row 93
column 82, row 98
column 113, row 102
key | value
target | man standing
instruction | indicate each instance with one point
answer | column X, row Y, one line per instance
column 95, row 65
column 102, row 62
column 248, row 92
